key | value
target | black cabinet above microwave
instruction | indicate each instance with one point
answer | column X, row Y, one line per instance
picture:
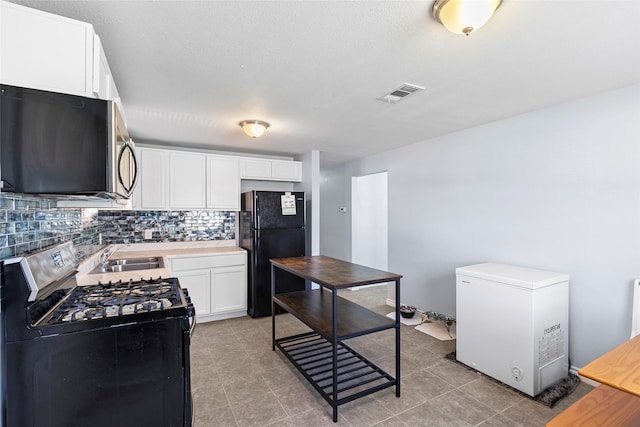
column 59, row 144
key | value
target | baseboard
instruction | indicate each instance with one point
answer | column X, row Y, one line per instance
column 574, row 370
column 391, row 302
column 203, row 318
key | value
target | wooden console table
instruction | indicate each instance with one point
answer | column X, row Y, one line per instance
column 616, row 402
column 336, row 371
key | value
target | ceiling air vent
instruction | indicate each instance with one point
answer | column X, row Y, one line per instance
column 400, row 93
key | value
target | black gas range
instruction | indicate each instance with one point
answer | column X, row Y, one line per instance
column 100, row 355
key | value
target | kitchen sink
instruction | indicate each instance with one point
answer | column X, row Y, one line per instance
column 131, row 261
column 129, row 264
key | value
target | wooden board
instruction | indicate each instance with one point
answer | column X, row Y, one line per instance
column 333, row 273
column 619, row 368
column 315, row 309
column 603, row 407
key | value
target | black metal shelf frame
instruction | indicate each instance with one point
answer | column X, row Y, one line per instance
column 312, row 356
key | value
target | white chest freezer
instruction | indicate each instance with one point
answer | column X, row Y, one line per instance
column 512, row 323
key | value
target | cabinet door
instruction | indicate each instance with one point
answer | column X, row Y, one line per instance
column 223, row 183
column 228, row 289
column 286, row 170
column 198, row 283
column 255, row 169
column 152, row 190
column 101, row 72
column 187, row 180
column 44, row 51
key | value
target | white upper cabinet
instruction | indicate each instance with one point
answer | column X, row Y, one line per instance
column 187, row 180
column 171, row 179
column 283, row 170
column 271, row 170
column 152, row 191
column 44, row 51
column 255, row 169
column 103, row 85
column 223, row 183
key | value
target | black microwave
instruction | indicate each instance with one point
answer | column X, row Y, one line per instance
column 59, row 144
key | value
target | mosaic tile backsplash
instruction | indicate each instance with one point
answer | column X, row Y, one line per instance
column 29, row 224
column 165, row 226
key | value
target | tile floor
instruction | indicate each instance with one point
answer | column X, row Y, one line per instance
column 239, row 381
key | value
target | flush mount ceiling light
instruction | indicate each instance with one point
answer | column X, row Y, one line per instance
column 254, row 128
column 464, row 16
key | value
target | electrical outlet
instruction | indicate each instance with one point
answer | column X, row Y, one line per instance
column 148, row 234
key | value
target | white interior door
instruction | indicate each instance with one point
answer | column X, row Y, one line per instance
column 369, row 220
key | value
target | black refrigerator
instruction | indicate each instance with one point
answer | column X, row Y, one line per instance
column 271, row 226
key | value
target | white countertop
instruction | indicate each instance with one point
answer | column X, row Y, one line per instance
column 137, row 250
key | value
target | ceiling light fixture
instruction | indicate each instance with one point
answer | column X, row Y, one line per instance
column 254, row 128
column 464, row 16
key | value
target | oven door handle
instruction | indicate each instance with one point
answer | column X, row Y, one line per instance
column 192, row 327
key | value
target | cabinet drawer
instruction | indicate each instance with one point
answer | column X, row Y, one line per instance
column 204, row 262
column 196, row 263
column 227, row 260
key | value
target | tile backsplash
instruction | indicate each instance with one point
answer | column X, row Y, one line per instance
column 29, row 224
column 166, row 226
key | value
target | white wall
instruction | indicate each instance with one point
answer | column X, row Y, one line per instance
column 311, row 186
column 334, row 224
column 556, row 189
column 369, row 223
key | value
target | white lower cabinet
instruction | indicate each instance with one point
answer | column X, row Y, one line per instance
column 198, row 283
column 225, row 295
column 217, row 284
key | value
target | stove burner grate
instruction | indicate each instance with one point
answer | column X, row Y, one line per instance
column 117, row 299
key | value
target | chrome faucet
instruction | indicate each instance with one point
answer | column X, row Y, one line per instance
column 104, row 256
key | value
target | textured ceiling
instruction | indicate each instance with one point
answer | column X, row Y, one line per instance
column 189, row 71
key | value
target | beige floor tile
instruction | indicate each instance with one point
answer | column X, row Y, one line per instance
column 259, row 410
column 465, row 407
column 491, row 394
column 364, row 412
column 427, row 414
column 453, row 373
column 237, row 380
column 221, row 417
column 319, row 417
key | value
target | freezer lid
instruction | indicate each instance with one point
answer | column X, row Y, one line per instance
column 527, row 278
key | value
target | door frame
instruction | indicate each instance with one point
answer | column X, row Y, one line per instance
column 369, row 221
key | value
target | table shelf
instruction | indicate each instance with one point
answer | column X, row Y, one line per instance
column 314, row 308
column 312, row 355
